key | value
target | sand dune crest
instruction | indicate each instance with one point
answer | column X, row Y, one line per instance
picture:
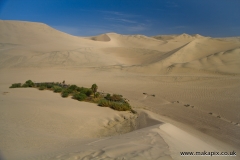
column 102, row 37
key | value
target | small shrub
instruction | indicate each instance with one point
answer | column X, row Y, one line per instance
column 104, row 103
column 69, row 90
column 108, row 97
column 121, row 106
column 79, row 89
column 28, row 83
column 49, row 85
column 94, row 89
column 15, row 85
column 37, row 85
column 87, row 91
column 65, row 94
column 73, row 87
column 115, row 105
column 25, row 85
column 57, row 89
column 114, row 97
column 41, row 87
column 95, row 100
column 79, row 96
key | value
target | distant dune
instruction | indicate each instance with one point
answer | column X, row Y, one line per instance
column 185, row 89
column 102, row 37
column 133, row 52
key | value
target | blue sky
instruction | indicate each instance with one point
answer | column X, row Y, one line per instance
column 215, row 18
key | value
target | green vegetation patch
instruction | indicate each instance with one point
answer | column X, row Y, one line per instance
column 42, row 88
column 57, row 89
column 115, row 101
column 65, row 94
column 16, row 85
column 79, row 96
column 121, row 106
column 86, row 91
column 28, row 83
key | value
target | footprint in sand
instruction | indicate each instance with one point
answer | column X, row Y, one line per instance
column 217, row 116
column 146, row 95
column 4, row 93
column 234, row 123
column 188, row 105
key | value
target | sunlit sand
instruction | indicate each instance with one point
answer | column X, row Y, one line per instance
column 185, row 89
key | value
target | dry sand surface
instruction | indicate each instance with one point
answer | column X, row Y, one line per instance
column 185, row 89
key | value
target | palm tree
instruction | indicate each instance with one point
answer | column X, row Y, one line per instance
column 94, row 89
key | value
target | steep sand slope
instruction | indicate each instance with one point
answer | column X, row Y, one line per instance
column 190, row 81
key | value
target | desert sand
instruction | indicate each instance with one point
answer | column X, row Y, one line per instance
column 185, row 89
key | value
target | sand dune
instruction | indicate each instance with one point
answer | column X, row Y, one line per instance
column 200, row 48
column 185, row 89
column 102, row 37
column 29, row 48
column 221, row 62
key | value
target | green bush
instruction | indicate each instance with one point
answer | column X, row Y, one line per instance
column 15, row 85
column 73, row 87
column 42, row 87
column 65, row 94
column 108, row 97
column 95, row 100
column 114, row 97
column 121, row 106
column 25, row 85
column 104, row 103
column 49, row 85
column 79, row 96
column 37, row 85
column 79, row 89
column 97, row 95
column 57, row 89
column 87, row 91
column 28, row 83
column 69, row 90
column 115, row 105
